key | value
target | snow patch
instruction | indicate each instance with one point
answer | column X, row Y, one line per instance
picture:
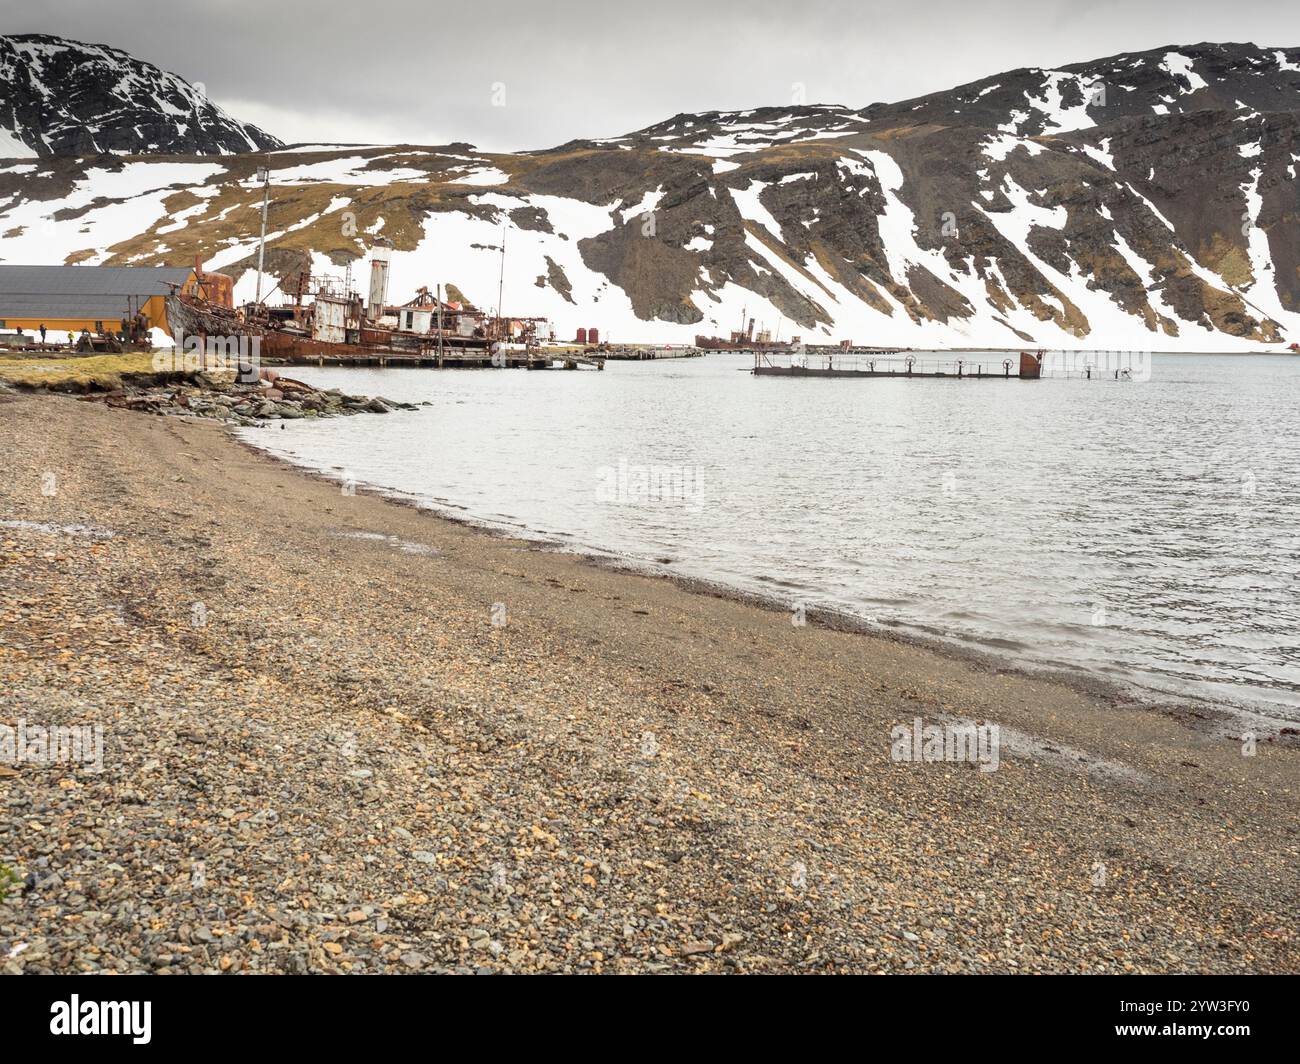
column 1179, row 65
column 648, row 205
column 999, row 147
column 748, row 203
column 13, row 148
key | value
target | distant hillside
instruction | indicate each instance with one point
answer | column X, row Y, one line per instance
column 1145, row 201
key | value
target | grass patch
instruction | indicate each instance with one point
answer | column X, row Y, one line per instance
column 8, row 877
column 91, row 372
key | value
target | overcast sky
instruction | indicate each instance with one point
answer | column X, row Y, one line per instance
column 515, row 74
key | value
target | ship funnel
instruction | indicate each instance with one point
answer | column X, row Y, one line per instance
column 380, row 255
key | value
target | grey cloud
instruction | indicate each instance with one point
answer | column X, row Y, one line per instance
column 425, row 72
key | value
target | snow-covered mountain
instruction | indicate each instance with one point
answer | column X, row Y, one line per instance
column 1026, row 102
column 61, row 97
column 1146, row 201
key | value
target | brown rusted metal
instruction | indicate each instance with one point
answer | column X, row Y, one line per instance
column 1031, row 365
column 342, row 326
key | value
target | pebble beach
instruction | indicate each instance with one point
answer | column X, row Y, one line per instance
column 344, row 735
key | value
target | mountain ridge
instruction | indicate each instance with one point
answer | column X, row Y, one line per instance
column 1028, row 207
column 65, row 97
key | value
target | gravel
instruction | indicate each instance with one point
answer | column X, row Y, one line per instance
column 339, row 763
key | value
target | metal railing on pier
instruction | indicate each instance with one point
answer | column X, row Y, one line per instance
column 960, row 365
column 887, row 365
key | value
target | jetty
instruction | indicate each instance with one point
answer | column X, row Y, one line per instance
column 512, row 357
column 1096, row 365
column 648, row 352
column 1027, row 367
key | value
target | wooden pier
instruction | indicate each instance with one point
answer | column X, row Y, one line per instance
column 1027, row 367
column 451, row 358
column 647, row 353
column 621, row 352
column 302, row 352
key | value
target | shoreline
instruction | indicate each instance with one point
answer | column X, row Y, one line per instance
column 1226, row 719
column 625, row 775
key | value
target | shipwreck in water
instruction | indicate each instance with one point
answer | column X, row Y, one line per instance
column 744, row 339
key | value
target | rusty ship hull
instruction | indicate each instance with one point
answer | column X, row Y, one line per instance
column 187, row 316
column 717, row 343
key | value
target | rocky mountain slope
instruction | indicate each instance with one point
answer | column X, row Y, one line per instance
column 61, row 97
column 1144, row 201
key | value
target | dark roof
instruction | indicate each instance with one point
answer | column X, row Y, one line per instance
column 82, row 291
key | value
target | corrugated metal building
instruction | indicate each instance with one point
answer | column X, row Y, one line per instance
column 97, row 298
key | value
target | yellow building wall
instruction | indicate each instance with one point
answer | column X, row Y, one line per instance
column 154, row 308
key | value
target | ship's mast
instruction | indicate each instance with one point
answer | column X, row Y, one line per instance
column 264, row 176
column 501, row 284
column 439, row 297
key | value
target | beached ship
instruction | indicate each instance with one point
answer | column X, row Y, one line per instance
column 207, row 309
column 324, row 320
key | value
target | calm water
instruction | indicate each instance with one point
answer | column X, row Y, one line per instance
column 1147, row 531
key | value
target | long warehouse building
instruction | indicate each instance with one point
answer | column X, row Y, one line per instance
column 95, row 298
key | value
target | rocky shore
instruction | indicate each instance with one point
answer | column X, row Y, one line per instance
column 220, row 395
column 223, row 398
column 342, row 735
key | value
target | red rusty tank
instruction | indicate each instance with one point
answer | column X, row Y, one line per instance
column 215, row 288
column 582, row 337
column 593, row 336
